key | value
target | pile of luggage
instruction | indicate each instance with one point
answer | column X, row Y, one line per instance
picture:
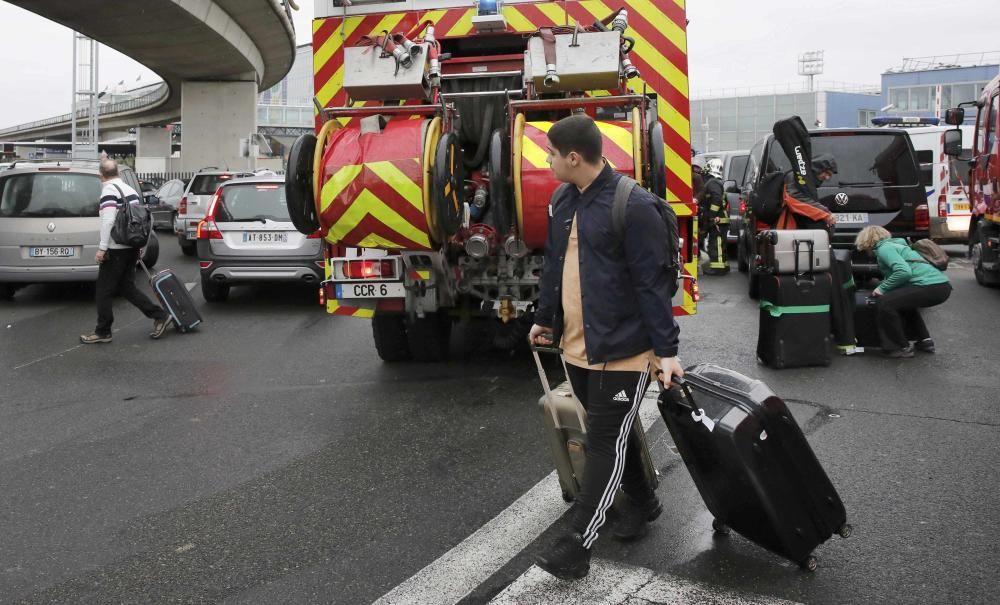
column 796, row 292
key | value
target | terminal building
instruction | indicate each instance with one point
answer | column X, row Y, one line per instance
column 920, row 87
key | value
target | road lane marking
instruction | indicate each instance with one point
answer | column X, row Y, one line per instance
column 53, row 355
column 616, row 583
column 463, row 568
column 190, row 285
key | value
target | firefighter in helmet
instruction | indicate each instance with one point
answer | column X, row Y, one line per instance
column 713, row 216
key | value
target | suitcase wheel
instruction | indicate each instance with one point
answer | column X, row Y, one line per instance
column 810, row 564
column 845, row 530
column 720, row 528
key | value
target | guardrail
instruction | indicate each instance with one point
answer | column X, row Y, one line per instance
column 139, row 102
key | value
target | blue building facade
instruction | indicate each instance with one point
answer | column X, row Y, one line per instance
column 927, row 91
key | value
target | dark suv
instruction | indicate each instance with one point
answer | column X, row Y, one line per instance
column 878, row 183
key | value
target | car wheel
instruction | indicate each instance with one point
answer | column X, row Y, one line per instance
column 214, row 291
column 151, row 253
column 7, row 291
column 429, row 337
column 389, row 333
column 187, row 246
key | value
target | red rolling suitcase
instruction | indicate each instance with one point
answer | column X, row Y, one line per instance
column 751, row 463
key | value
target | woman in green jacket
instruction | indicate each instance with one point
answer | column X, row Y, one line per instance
column 909, row 283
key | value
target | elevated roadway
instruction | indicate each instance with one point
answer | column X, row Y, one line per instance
column 182, row 41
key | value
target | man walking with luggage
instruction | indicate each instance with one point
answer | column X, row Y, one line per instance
column 605, row 300
column 116, row 272
column 713, row 216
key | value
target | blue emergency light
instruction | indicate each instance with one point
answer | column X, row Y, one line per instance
column 489, row 7
column 905, row 121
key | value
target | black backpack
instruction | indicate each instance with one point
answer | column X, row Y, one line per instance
column 622, row 192
column 767, row 200
column 132, row 223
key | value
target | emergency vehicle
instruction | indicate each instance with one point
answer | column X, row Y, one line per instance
column 984, row 175
column 946, row 178
column 428, row 178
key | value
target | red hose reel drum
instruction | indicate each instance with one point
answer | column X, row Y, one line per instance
column 375, row 187
column 533, row 179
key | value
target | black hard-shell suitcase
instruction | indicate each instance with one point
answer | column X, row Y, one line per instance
column 565, row 423
column 751, row 463
column 794, row 321
column 866, row 320
column 842, row 302
column 175, row 298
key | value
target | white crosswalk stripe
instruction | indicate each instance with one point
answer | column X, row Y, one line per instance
column 611, row 583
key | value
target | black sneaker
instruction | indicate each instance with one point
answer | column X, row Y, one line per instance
column 567, row 559
column 926, row 345
column 160, row 326
column 904, row 353
column 634, row 518
column 90, row 339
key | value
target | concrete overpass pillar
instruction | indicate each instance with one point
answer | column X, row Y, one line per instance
column 215, row 116
column 152, row 142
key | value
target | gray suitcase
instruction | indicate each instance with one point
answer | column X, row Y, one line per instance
column 566, row 432
column 793, row 251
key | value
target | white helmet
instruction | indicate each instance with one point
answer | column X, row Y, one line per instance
column 714, row 167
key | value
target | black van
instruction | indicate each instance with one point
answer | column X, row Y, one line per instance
column 879, row 183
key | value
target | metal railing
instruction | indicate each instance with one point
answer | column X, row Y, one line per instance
column 789, row 88
column 911, row 64
column 137, row 102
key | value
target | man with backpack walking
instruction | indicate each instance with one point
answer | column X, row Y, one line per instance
column 605, row 300
column 117, row 261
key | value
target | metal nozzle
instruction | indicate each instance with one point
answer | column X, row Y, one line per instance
column 479, row 199
column 620, row 24
column 402, row 57
column 478, row 246
column 515, row 247
column 630, row 70
column 551, row 77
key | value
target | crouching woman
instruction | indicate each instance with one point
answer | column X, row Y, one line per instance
column 910, row 283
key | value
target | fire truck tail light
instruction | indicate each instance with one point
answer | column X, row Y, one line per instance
column 369, row 269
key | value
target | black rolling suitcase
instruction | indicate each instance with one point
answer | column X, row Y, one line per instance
column 842, row 302
column 794, row 320
column 175, row 299
column 866, row 320
column 751, row 463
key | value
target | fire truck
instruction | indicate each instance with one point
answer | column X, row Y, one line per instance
column 984, row 181
column 428, row 178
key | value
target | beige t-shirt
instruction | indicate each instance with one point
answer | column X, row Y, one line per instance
column 573, row 346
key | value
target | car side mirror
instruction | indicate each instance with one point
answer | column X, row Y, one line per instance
column 730, row 187
column 953, row 141
column 955, row 117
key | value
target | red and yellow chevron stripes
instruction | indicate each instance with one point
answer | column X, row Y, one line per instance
column 533, row 180
column 376, row 204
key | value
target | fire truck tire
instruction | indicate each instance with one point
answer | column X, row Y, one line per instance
column 299, row 185
column 389, row 333
column 449, row 184
column 657, row 161
column 501, row 195
column 429, row 337
column 984, row 277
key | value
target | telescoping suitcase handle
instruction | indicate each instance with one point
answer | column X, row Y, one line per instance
column 535, row 350
column 812, row 256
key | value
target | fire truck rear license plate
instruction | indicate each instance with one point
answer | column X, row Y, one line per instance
column 371, row 290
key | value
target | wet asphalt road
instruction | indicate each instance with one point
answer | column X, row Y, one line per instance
column 270, row 456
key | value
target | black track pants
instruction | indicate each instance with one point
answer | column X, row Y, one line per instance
column 899, row 318
column 612, row 402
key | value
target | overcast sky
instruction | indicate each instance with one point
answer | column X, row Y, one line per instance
column 732, row 43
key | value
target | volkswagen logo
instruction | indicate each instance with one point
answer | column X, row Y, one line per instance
column 51, row 227
column 841, row 199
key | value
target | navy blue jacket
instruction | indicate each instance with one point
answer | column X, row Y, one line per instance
column 624, row 282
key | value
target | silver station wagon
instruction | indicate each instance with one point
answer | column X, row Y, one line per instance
column 247, row 237
column 49, row 223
